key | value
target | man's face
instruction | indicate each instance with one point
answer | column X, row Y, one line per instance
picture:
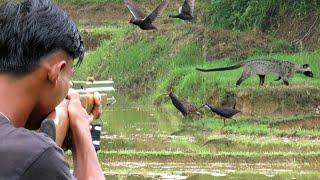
column 55, row 88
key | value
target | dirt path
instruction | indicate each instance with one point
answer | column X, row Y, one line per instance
column 97, row 14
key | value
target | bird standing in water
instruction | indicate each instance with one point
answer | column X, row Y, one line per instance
column 184, row 107
column 139, row 18
column 224, row 112
column 186, row 11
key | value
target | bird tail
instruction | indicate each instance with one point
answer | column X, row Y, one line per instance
column 220, row 69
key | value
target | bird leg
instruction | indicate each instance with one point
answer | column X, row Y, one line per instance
column 286, row 82
column 233, row 119
column 261, row 77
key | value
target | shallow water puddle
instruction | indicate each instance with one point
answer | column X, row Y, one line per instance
column 142, row 130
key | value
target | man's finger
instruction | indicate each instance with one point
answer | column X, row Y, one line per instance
column 64, row 103
column 97, row 107
column 91, row 117
column 97, row 98
column 74, row 98
column 72, row 94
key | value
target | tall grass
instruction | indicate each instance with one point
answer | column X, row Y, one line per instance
column 252, row 14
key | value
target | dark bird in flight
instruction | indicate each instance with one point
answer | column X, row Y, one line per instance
column 139, row 18
column 184, row 107
column 224, row 112
column 186, row 11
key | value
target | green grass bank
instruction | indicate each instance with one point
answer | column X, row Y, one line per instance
column 144, row 65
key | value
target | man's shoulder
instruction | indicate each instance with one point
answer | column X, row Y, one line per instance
column 25, row 140
column 20, row 148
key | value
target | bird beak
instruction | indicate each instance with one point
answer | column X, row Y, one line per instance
column 201, row 106
column 164, row 94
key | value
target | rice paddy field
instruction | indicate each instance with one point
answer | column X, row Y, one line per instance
column 276, row 136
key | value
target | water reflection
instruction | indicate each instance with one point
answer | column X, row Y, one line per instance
column 235, row 176
column 141, row 129
column 139, row 121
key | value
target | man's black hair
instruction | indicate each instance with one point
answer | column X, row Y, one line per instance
column 32, row 29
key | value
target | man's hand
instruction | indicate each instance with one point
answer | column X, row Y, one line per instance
column 78, row 115
column 60, row 117
column 85, row 159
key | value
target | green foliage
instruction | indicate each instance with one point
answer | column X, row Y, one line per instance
column 302, row 6
column 137, row 66
column 151, row 66
column 96, row 62
column 242, row 14
column 281, row 45
column 255, row 14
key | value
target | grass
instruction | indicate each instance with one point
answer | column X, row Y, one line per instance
column 145, row 65
column 257, row 127
column 187, row 82
column 252, row 15
column 145, row 68
column 138, row 65
column 96, row 62
column 177, row 154
column 243, row 174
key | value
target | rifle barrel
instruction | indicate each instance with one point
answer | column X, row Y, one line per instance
column 95, row 89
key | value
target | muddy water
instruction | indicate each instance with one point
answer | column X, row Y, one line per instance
column 142, row 129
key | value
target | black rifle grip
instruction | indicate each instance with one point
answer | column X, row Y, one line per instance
column 95, row 134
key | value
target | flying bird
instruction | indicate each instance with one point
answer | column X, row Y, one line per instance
column 184, row 107
column 186, row 11
column 224, row 112
column 139, row 18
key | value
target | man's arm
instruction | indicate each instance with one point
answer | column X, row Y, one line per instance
column 86, row 164
column 49, row 165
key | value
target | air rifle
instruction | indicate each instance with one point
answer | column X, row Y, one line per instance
column 58, row 129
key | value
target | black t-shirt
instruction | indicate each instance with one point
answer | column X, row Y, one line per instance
column 26, row 154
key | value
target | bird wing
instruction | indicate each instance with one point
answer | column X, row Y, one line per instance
column 178, row 104
column 157, row 12
column 228, row 112
column 134, row 9
column 189, row 107
column 180, row 107
column 188, row 7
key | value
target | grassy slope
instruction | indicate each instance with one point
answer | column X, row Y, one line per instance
column 152, row 65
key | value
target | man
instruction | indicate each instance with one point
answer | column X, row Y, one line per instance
column 38, row 44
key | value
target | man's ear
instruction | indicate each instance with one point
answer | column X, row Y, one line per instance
column 55, row 71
